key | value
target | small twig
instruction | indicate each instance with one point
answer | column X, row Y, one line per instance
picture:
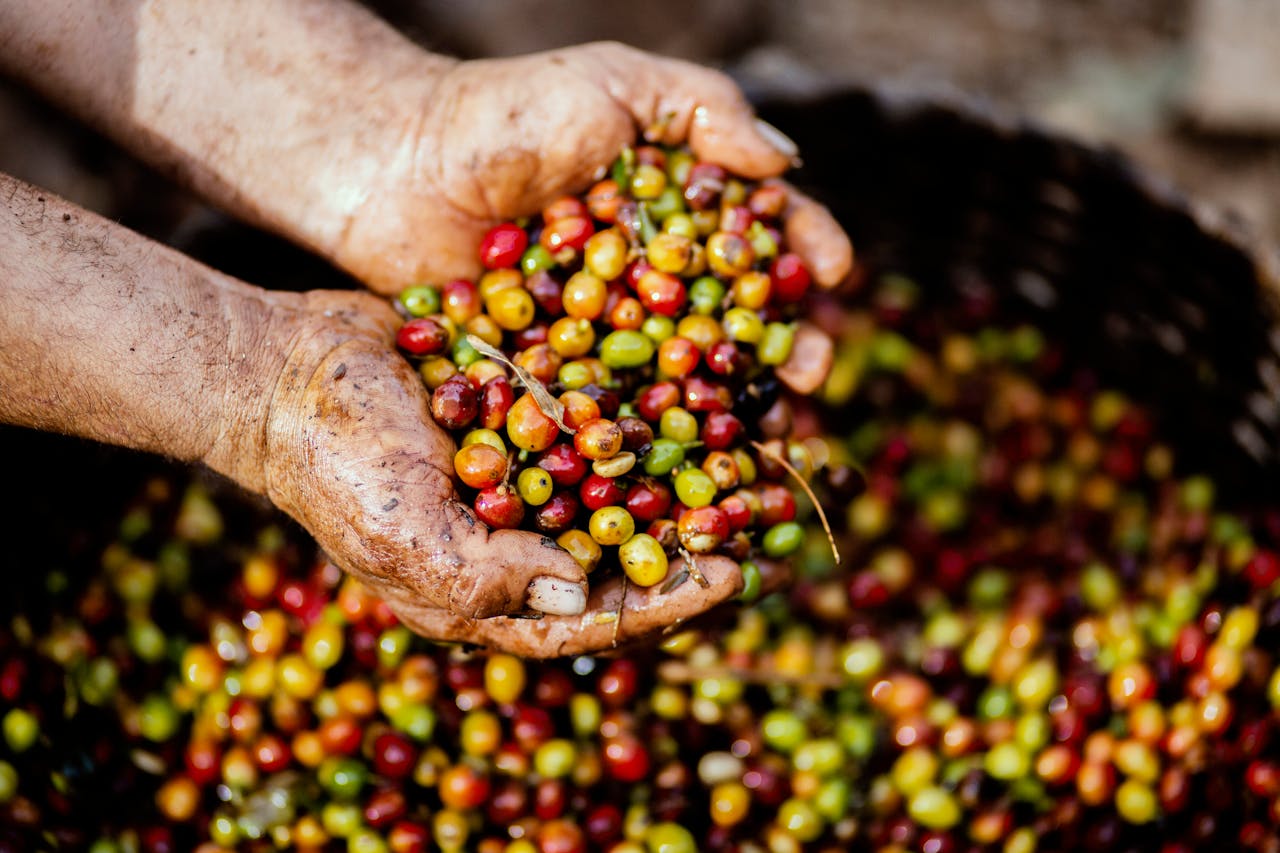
column 694, row 571
column 822, row 515
column 546, row 401
column 617, row 623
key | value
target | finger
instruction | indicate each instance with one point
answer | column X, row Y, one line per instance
column 724, row 128
column 357, row 459
column 358, row 312
column 721, row 126
column 813, row 234
column 810, row 361
column 674, row 101
column 504, row 571
column 610, row 620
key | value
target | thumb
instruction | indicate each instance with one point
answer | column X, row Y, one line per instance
column 721, row 126
column 674, row 101
column 504, row 571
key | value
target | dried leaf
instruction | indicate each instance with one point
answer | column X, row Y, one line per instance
column 822, row 514
column 546, row 401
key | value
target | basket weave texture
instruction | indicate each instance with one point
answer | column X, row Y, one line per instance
column 1166, row 300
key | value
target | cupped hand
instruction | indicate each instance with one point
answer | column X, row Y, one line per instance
column 499, row 139
column 351, row 452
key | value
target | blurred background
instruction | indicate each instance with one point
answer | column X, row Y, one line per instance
column 1190, row 89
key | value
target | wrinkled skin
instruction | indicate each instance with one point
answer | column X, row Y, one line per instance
column 499, row 140
column 337, row 436
column 316, row 120
column 502, row 138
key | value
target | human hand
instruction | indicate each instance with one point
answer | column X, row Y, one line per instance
column 500, row 139
column 349, row 449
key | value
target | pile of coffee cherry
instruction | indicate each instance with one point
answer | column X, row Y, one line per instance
column 606, row 378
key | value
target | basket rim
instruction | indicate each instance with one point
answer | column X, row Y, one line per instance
column 1217, row 221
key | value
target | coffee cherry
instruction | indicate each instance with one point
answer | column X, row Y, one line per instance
column 789, row 277
column 598, row 439
column 502, row 246
column 564, row 464
column 598, row 492
column 611, row 525
column 496, row 400
column 557, row 514
column 480, row 466
column 702, row 529
column 582, row 547
column 455, row 403
column 535, row 486
column 500, row 507
column 643, row 559
column 648, row 501
column 423, row 336
column 420, row 300
column 527, row 427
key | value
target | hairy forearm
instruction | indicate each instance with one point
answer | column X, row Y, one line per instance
column 108, row 336
column 281, row 111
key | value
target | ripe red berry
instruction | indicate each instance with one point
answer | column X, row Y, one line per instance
column 384, row 806
column 790, row 278
column 565, row 464
column 777, row 504
column 571, row 232
column 564, row 207
column 626, row 758
column 503, row 245
column 737, row 513
column 408, row 837
column 661, row 293
column 462, row 787
column 618, row 683
column 736, row 219
column 496, row 399
column 598, row 492
column 455, row 403
column 203, row 761
column 648, row 500
column 422, row 336
column 656, row 399
column 703, row 186
column 500, row 507
column 1263, row 569
column 723, row 358
column 703, row 396
column 702, row 529
column 720, row 431
column 547, row 293
column 394, row 755
column 557, row 514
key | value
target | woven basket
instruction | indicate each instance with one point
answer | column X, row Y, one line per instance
column 1162, row 298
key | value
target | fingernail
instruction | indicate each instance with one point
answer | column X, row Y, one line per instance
column 556, row 596
column 779, row 140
